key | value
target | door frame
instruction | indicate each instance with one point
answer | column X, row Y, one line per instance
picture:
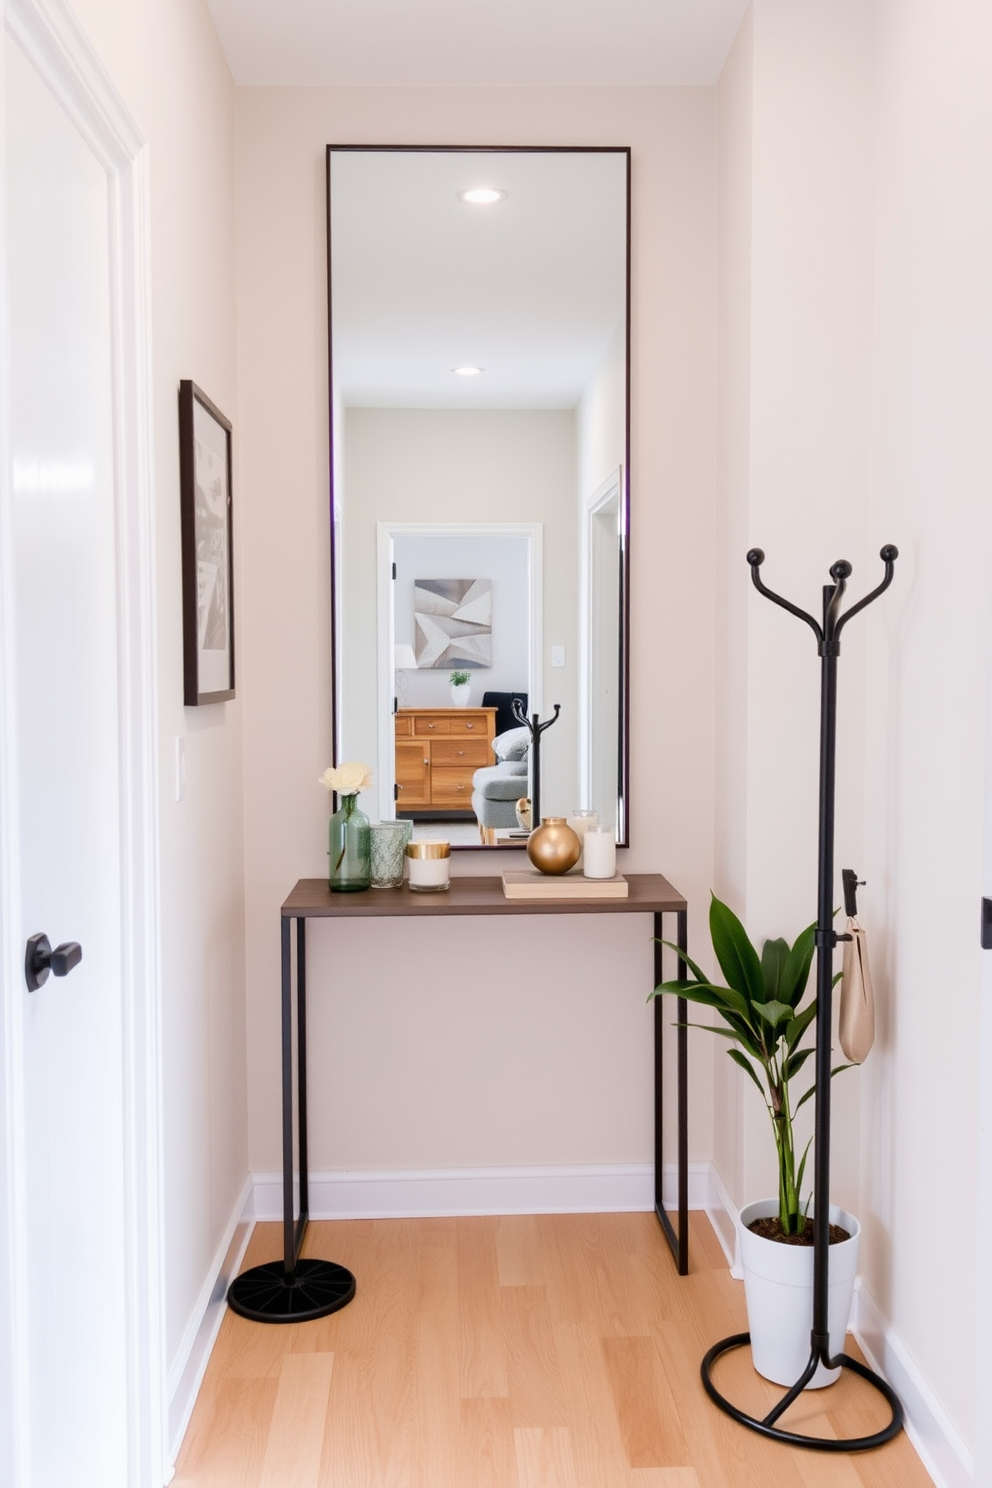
column 49, row 34
column 533, row 533
column 607, row 498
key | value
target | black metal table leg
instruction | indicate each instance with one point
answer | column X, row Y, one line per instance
column 679, row 1241
column 292, row 1290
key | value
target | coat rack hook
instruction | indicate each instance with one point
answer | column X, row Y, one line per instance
column 852, row 883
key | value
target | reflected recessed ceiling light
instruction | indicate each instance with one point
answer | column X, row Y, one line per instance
column 468, row 371
column 481, row 196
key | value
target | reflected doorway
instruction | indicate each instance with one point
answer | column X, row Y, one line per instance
column 420, row 773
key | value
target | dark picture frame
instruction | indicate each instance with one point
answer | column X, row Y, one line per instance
column 205, row 497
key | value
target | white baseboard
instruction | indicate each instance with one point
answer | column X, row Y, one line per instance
column 942, row 1451
column 415, row 1193
column 190, row 1363
column 723, row 1215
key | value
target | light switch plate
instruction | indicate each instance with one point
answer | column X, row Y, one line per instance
column 557, row 656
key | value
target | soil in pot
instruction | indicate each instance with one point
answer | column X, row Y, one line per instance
column 769, row 1226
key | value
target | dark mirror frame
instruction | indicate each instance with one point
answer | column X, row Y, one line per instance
column 336, row 638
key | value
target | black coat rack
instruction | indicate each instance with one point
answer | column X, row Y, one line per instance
column 828, row 645
column 536, row 728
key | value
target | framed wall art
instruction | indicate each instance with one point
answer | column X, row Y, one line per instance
column 207, row 548
column 453, row 621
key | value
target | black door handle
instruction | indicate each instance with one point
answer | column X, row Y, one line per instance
column 40, row 959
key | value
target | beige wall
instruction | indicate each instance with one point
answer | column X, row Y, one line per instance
column 548, row 1095
column 795, row 279
column 929, row 664
column 166, row 62
column 854, row 381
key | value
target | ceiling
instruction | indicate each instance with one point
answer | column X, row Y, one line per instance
column 531, row 290
column 477, row 43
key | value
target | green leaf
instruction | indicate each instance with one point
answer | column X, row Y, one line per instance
column 733, row 1033
column 747, row 1037
column 721, row 998
column 699, row 975
column 737, row 957
column 794, row 1063
column 774, row 1012
column 837, row 1070
column 795, row 973
column 774, row 956
column 799, row 1025
column 745, row 1064
column 802, row 1169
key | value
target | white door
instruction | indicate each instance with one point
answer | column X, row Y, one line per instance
column 76, row 1324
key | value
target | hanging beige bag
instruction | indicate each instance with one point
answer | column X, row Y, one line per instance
column 857, row 1004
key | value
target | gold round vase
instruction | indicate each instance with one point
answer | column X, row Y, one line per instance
column 553, row 847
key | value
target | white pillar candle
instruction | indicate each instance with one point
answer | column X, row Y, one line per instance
column 599, row 853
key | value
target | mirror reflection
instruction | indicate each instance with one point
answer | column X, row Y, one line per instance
column 479, row 434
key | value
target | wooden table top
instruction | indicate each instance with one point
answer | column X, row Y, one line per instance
column 311, row 899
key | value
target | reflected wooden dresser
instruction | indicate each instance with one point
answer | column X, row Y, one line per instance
column 438, row 750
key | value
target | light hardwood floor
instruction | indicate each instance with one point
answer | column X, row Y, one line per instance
column 536, row 1351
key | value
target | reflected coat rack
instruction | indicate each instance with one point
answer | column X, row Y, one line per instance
column 828, row 646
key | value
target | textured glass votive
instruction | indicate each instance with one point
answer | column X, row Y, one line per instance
column 389, row 840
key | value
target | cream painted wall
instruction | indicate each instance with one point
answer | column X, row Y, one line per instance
column 927, row 725
column 795, row 367
column 735, row 106
column 166, row 62
column 855, row 378
column 549, row 1096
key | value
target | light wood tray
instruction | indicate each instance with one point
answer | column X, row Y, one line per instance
column 530, row 883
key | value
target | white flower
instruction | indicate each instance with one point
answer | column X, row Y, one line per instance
column 347, row 778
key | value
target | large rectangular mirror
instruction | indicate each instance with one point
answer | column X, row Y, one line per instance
column 479, row 367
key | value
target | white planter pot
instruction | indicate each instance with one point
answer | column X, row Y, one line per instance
column 461, row 696
column 778, row 1284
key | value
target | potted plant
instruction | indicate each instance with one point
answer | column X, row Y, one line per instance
column 461, row 688
column 766, row 1022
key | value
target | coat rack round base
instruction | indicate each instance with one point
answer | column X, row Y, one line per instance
column 265, row 1294
column 766, row 1426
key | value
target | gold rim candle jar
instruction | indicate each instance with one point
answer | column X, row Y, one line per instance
column 428, row 866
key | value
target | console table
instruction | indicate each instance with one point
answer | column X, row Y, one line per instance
column 298, row 1289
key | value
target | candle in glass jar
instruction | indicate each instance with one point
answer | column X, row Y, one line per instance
column 599, row 853
column 428, row 865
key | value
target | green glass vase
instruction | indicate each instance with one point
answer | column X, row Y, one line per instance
column 349, row 848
